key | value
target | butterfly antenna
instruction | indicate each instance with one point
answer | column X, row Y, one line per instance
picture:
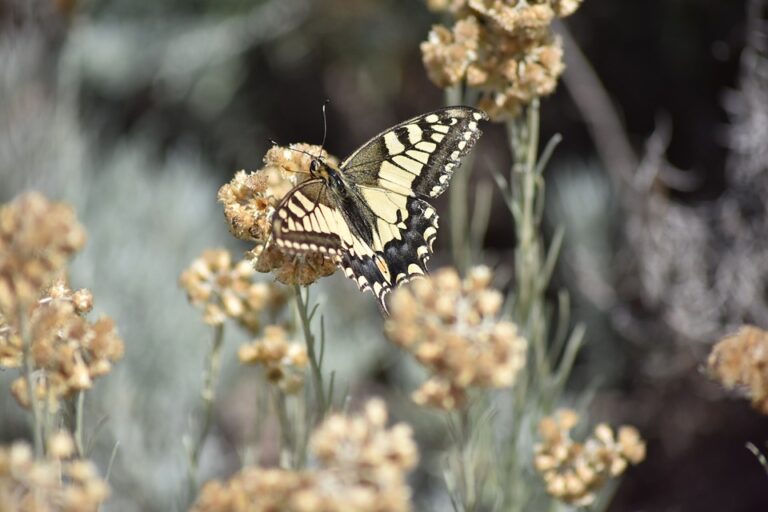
column 325, row 125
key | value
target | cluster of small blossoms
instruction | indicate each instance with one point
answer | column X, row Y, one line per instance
column 505, row 49
column 37, row 238
column 57, row 483
column 67, row 351
column 361, row 466
column 573, row 472
column 250, row 200
column 453, row 328
column 284, row 362
column 740, row 361
column 225, row 290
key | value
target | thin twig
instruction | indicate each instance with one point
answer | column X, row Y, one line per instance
column 27, row 370
column 208, row 394
column 79, row 422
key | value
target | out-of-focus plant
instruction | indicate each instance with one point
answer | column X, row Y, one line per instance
column 360, row 465
column 223, row 291
column 45, row 334
column 60, row 481
column 503, row 56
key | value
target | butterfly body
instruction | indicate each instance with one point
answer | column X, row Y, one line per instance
column 371, row 214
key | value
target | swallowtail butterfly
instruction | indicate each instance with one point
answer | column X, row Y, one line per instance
column 371, row 214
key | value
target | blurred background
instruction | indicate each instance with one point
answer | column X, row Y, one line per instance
column 136, row 112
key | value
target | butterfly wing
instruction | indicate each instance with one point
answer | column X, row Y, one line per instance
column 394, row 173
column 417, row 157
column 381, row 229
column 307, row 221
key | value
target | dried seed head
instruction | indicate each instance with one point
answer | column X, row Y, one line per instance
column 740, row 361
column 55, row 483
column 68, row 351
column 361, row 466
column 37, row 239
column 224, row 290
column 452, row 328
column 503, row 48
column 250, row 201
column 284, row 361
column 573, row 472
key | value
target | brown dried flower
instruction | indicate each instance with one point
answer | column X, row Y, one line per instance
column 362, row 466
column 740, row 361
column 53, row 484
column 505, row 49
column 68, row 352
column 284, row 362
column 573, row 472
column 250, row 200
column 225, row 290
column 452, row 328
column 37, row 238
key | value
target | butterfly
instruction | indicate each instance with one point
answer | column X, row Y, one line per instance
column 371, row 214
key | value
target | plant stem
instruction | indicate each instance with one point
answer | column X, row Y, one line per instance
column 208, row 394
column 27, row 370
column 79, row 423
column 309, row 339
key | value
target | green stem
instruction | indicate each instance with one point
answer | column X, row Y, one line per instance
column 208, row 394
column 28, row 368
column 309, row 339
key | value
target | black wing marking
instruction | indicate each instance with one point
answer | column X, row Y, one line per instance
column 306, row 221
column 417, row 157
column 399, row 259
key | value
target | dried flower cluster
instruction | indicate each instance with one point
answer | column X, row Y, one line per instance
column 283, row 361
column 362, row 466
column 57, row 483
column 38, row 310
column 740, row 361
column 505, row 49
column 574, row 471
column 37, row 238
column 67, row 351
column 225, row 290
column 452, row 328
column 250, row 200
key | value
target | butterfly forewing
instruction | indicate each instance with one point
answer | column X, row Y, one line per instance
column 380, row 229
column 417, row 157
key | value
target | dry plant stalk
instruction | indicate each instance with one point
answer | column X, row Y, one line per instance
column 361, row 465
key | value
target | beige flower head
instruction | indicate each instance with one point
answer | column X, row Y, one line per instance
column 226, row 290
column 740, row 361
column 503, row 49
column 37, row 239
column 453, row 328
column 67, row 350
column 572, row 471
column 250, row 200
column 55, row 483
column 284, row 361
column 362, row 465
